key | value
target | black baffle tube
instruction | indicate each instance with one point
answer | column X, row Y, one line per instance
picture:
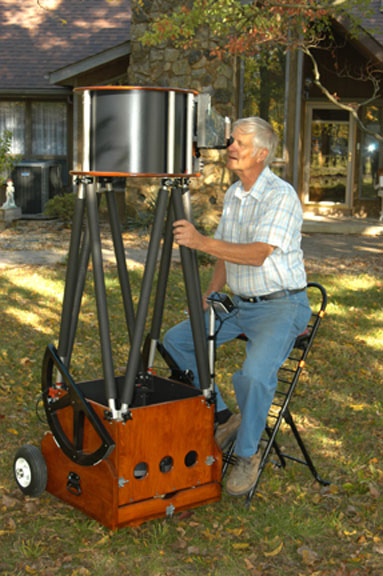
column 99, row 284
column 142, row 309
column 194, row 298
column 163, row 275
column 71, row 275
column 76, row 305
column 121, row 262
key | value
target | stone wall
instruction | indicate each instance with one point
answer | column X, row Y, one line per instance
column 194, row 69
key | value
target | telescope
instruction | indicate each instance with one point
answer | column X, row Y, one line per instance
column 125, row 448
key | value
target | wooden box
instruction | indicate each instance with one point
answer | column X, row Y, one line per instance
column 165, row 458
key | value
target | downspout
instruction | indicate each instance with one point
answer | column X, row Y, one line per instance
column 75, row 122
column 297, row 124
column 286, row 111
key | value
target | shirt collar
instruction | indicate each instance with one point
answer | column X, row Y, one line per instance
column 258, row 186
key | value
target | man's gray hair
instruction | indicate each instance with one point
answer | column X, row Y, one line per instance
column 264, row 135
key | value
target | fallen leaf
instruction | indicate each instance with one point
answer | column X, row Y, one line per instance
column 309, row 557
column 274, row 552
column 184, row 515
column 373, row 490
column 316, row 498
column 181, row 530
column 179, row 544
column 31, row 507
column 11, row 524
column 193, row 550
column 236, row 531
column 9, row 502
column 251, row 568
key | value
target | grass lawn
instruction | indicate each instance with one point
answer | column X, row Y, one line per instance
column 294, row 526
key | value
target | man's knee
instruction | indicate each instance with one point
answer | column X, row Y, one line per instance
column 177, row 336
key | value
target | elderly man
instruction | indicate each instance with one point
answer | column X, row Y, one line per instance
column 258, row 249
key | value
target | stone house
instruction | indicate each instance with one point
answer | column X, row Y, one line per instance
column 50, row 47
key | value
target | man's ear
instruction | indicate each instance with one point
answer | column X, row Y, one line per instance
column 262, row 154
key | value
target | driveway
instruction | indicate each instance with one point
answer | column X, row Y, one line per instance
column 30, row 243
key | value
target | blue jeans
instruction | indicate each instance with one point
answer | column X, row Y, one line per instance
column 271, row 327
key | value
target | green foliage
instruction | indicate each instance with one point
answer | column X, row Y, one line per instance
column 144, row 218
column 241, row 27
column 252, row 28
column 264, row 89
column 7, row 160
column 61, row 207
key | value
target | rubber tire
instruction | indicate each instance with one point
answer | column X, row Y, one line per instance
column 30, row 470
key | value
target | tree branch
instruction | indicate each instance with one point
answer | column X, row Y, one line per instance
column 353, row 108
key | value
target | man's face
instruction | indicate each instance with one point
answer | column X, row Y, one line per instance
column 240, row 154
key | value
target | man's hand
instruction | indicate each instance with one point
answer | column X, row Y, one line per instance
column 250, row 254
column 185, row 234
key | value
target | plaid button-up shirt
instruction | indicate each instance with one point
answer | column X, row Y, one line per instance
column 270, row 213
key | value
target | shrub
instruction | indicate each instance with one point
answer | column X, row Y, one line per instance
column 61, row 207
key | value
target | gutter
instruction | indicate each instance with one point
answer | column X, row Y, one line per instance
column 90, row 63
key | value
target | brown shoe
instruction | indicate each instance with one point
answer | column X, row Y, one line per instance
column 243, row 475
column 227, row 432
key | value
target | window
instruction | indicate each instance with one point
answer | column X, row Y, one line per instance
column 329, row 166
column 12, row 118
column 49, row 128
column 39, row 129
column 371, row 153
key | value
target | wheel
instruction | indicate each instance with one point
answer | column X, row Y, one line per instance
column 30, row 470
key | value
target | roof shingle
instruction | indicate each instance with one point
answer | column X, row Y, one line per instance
column 40, row 36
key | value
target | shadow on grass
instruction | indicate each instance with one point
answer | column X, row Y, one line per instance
column 338, row 408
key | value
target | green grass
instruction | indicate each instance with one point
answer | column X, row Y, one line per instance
column 293, row 526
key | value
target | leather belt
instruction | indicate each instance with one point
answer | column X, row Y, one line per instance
column 272, row 296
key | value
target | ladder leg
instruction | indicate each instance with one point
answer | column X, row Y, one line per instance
column 306, row 455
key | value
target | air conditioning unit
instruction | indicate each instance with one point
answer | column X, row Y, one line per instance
column 35, row 183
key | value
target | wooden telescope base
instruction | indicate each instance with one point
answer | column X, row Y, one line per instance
column 165, row 460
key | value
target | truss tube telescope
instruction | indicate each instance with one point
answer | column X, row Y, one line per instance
column 131, row 446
